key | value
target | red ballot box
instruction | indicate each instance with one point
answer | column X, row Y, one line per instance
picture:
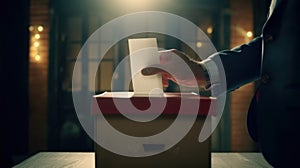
column 188, row 152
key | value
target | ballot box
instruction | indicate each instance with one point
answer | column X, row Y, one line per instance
column 188, row 152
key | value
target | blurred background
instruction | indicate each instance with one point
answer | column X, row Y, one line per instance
column 41, row 40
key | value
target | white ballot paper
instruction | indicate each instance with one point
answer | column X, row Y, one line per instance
column 143, row 52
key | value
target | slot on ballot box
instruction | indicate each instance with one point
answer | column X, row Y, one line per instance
column 188, row 152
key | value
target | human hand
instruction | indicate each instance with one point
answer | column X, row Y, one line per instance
column 178, row 67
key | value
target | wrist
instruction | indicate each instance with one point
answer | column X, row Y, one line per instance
column 205, row 75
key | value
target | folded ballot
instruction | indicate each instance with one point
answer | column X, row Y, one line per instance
column 144, row 53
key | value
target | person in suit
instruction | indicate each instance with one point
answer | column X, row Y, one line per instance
column 273, row 59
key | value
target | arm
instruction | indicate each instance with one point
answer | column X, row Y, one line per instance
column 241, row 64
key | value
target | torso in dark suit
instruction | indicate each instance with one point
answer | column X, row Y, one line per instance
column 274, row 116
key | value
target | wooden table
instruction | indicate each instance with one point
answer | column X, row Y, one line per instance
column 87, row 160
column 225, row 160
column 59, row 160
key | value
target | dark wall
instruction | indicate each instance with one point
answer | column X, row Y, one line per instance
column 14, row 80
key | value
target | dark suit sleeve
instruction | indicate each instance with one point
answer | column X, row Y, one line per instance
column 241, row 64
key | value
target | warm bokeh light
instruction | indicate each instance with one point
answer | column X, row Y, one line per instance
column 31, row 28
column 199, row 44
column 249, row 34
column 37, row 58
column 40, row 28
column 209, row 30
column 35, row 33
column 137, row 3
column 37, row 36
column 133, row 5
column 36, row 44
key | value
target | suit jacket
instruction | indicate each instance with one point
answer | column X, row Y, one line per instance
column 274, row 116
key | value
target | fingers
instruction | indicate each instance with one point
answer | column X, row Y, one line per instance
column 171, row 60
column 152, row 71
column 165, row 80
column 165, row 56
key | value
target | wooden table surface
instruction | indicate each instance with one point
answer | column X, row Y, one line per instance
column 244, row 160
column 87, row 160
column 59, row 160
